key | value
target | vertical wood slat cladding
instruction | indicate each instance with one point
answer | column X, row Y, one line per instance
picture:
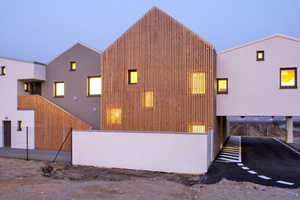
column 52, row 124
column 164, row 53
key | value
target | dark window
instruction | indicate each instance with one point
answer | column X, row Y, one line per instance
column 222, row 85
column 19, row 126
column 288, row 78
column 3, row 70
column 260, row 55
column 132, row 76
column 72, row 66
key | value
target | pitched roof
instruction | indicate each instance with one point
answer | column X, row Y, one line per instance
column 260, row 40
column 91, row 48
column 21, row 60
column 154, row 8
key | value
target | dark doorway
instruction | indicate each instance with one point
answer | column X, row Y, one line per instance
column 36, row 88
column 7, row 133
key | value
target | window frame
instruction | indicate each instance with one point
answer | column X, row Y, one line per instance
column 88, row 86
column 19, row 126
column 263, row 55
column 3, row 70
column 55, row 90
column 296, row 80
column 222, row 79
column 129, row 76
column 71, row 66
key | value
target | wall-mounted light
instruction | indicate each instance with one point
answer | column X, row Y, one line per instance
column 75, row 98
column 6, row 117
column 95, row 109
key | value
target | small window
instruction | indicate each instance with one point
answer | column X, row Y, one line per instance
column 3, row 70
column 59, row 89
column 148, row 99
column 222, row 86
column 115, row 116
column 19, row 126
column 94, row 86
column 26, row 87
column 72, row 66
column 196, row 128
column 260, row 55
column 197, row 83
column 288, row 78
column 132, row 76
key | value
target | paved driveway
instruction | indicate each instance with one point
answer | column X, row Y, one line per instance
column 265, row 161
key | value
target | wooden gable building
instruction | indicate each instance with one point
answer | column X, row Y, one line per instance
column 158, row 76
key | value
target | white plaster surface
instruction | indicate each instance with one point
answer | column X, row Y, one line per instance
column 167, row 152
column 289, row 128
column 253, row 86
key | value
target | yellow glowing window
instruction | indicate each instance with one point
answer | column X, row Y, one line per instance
column 222, row 86
column 19, row 126
column 132, row 76
column 26, row 88
column 288, row 78
column 73, row 66
column 197, row 83
column 115, row 116
column 148, row 99
column 59, row 89
column 260, row 55
column 94, row 86
column 197, row 128
column 3, row 70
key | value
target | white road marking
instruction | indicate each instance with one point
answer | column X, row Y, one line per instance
column 264, row 177
column 240, row 164
column 252, row 172
column 245, row 168
column 284, row 182
column 288, row 146
column 232, row 151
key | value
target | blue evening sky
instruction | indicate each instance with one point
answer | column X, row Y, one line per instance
column 39, row 30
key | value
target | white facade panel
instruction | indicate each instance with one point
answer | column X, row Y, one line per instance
column 254, row 86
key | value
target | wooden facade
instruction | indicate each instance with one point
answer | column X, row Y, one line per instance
column 52, row 123
column 165, row 55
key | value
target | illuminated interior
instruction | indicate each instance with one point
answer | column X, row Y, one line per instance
column 26, row 86
column 197, row 83
column 222, row 86
column 287, row 77
column 115, row 116
column 73, row 65
column 197, row 128
column 95, row 86
column 3, row 70
column 260, row 55
column 149, row 99
column 59, row 89
column 132, row 76
column 19, row 125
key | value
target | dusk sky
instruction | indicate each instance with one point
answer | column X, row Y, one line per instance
column 40, row 30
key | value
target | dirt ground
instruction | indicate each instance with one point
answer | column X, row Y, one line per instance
column 20, row 179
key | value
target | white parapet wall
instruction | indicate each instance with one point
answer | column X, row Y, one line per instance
column 153, row 151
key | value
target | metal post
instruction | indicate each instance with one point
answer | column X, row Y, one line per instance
column 27, row 143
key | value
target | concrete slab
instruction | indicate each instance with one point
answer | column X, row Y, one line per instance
column 42, row 155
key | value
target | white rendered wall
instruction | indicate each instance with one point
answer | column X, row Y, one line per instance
column 253, row 86
column 167, row 152
column 11, row 87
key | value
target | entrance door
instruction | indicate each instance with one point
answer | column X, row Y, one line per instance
column 7, row 133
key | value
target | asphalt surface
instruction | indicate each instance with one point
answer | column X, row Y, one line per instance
column 264, row 161
column 33, row 154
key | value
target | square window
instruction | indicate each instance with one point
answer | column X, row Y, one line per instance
column 59, row 89
column 148, row 99
column 197, row 83
column 132, row 76
column 72, row 66
column 196, row 128
column 260, row 55
column 94, row 86
column 115, row 116
column 3, row 70
column 19, row 126
column 26, row 87
column 222, row 86
column 288, row 78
